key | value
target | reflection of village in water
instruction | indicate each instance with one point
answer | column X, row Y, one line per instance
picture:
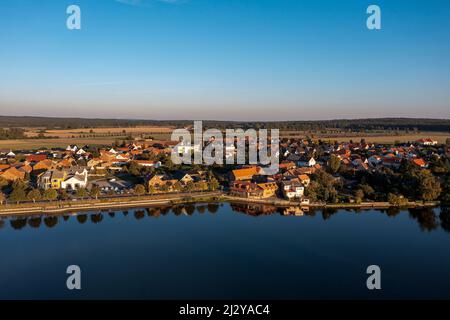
column 429, row 219
column 265, row 209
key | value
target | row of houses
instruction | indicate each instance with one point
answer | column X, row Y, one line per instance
column 73, row 178
column 361, row 156
column 301, row 158
column 60, row 169
column 290, row 182
column 108, row 159
column 178, row 181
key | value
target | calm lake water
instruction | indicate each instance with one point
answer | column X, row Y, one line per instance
column 227, row 251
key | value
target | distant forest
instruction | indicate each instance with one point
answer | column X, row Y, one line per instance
column 410, row 124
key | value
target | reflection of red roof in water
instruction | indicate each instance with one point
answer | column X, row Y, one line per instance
column 254, row 210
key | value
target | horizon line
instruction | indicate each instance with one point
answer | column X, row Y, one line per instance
column 223, row 120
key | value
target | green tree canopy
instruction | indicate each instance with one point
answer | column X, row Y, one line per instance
column 50, row 194
column 95, row 191
column 359, row 195
column 177, row 186
column 201, row 185
column 429, row 187
column 19, row 192
column 134, row 168
column 190, row 186
column 139, row 189
column 34, row 195
column 81, row 193
column 213, row 184
column 63, row 195
column 334, row 163
column 396, row 200
column 322, row 187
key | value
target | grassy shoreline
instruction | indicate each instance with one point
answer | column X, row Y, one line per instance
column 60, row 207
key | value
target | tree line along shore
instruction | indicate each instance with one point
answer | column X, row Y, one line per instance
column 62, row 207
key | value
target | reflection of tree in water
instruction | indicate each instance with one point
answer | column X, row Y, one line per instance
column 392, row 212
column 164, row 210
column 154, row 212
column 445, row 218
column 187, row 209
column 310, row 213
column 190, row 209
column 18, row 224
column 139, row 214
column 328, row 212
column 255, row 209
column 213, row 207
column 201, row 209
column 125, row 213
column 51, row 222
column 35, row 222
column 426, row 218
column 82, row 218
column 96, row 218
column 178, row 210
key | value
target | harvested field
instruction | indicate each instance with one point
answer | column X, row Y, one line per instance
column 50, row 143
column 388, row 138
column 100, row 132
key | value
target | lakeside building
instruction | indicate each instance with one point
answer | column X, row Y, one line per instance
column 247, row 189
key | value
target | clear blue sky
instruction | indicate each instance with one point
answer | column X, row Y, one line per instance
column 225, row 59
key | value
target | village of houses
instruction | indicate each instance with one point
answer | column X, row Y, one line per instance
column 144, row 167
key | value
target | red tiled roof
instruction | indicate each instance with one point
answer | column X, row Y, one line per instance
column 36, row 157
column 419, row 162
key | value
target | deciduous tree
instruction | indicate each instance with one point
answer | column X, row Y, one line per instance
column 396, row 200
column 334, row 163
column 95, row 191
column 139, row 189
column 34, row 195
column 213, row 184
column 177, row 186
column 19, row 192
column 3, row 182
column 359, row 196
column 81, row 193
column 429, row 187
column 190, row 186
column 50, row 194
